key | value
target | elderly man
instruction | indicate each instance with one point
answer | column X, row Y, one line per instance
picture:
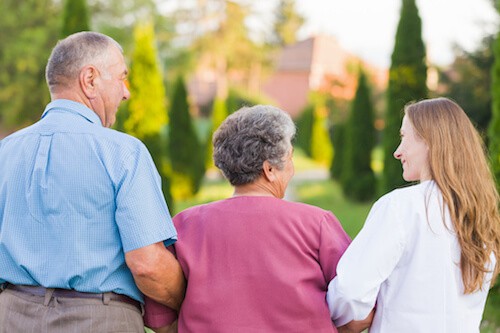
column 83, row 223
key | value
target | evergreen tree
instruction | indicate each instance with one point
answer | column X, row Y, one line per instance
column 407, row 82
column 147, row 104
column 287, row 23
column 358, row 179
column 494, row 127
column 186, row 154
column 468, row 82
column 156, row 144
column 304, row 129
column 337, row 135
column 321, row 145
column 238, row 98
column 219, row 113
column 232, row 102
column 28, row 31
column 145, row 114
column 75, row 17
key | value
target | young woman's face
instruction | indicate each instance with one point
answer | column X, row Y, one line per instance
column 413, row 153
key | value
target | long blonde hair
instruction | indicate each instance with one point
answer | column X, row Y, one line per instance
column 459, row 166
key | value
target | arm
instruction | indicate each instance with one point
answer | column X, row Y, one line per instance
column 157, row 274
column 357, row 326
column 172, row 328
column 367, row 263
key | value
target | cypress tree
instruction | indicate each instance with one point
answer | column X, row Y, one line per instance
column 321, row 145
column 304, row 129
column 358, row 179
column 494, row 126
column 407, row 82
column 75, row 17
column 157, row 148
column 28, row 32
column 338, row 140
column 219, row 113
column 238, row 98
column 144, row 116
column 186, row 154
column 233, row 102
column 147, row 105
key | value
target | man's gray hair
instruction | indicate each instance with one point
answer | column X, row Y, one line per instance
column 249, row 137
column 74, row 52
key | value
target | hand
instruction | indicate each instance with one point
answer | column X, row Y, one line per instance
column 357, row 326
column 172, row 328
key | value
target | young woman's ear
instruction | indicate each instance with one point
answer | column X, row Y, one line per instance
column 87, row 80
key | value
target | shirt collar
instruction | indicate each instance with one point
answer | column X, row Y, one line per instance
column 73, row 107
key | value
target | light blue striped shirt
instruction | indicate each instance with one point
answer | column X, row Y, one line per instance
column 74, row 196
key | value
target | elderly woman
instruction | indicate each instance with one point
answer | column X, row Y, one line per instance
column 241, row 256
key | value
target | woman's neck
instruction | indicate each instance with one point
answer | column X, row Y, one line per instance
column 257, row 188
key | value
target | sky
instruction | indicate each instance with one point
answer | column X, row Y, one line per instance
column 367, row 28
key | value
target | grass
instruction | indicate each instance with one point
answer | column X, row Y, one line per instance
column 303, row 163
column 491, row 317
column 328, row 195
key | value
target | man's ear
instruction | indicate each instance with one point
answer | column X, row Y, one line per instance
column 87, row 80
column 268, row 170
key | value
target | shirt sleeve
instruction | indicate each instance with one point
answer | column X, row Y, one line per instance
column 157, row 315
column 367, row 263
column 141, row 214
column 333, row 243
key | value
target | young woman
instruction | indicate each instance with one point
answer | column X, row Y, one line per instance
column 427, row 253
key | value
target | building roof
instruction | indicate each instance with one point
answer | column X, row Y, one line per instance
column 316, row 63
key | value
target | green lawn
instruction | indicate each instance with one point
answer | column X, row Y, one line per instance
column 328, row 195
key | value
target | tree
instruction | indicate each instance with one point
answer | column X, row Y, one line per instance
column 358, row 179
column 304, row 129
column 219, row 37
column 186, row 154
column 156, row 144
column 147, row 105
column 238, row 98
column 23, row 56
column 337, row 134
column 494, row 127
column 219, row 113
column 468, row 82
column 407, row 82
column 321, row 145
column 287, row 23
column 145, row 114
column 75, row 17
column 119, row 18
